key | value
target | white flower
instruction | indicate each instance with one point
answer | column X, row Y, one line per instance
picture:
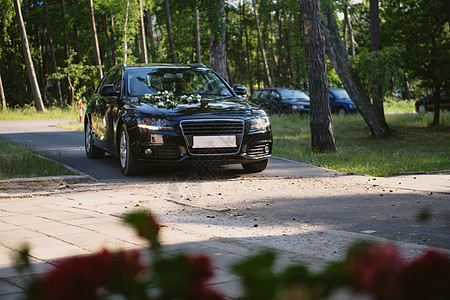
column 166, row 92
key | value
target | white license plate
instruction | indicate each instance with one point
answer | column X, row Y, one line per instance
column 222, row 141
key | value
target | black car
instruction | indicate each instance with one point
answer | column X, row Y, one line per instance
column 427, row 103
column 174, row 113
column 281, row 100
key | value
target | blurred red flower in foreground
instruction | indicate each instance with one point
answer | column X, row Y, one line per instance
column 379, row 270
column 427, row 277
column 201, row 272
column 83, row 277
column 376, row 269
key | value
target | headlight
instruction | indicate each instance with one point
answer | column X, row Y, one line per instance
column 297, row 107
column 154, row 124
column 259, row 123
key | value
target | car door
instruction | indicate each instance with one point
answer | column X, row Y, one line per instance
column 274, row 102
column 104, row 117
column 333, row 102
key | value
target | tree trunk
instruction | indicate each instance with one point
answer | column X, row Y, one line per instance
column 375, row 46
column 142, row 34
column 348, row 32
column 66, row 49
column 52, row 54
column 125, row 43
column 247, row 49
column 98, row 61
column 217, row 46
column 28, row 61
column 436, row 107
column 261, row 45
column 2, row 94
column 198, row 50
column 66, row 39
column 150, row 27
column 173, row 54
column 322, row 137
column 340, row 60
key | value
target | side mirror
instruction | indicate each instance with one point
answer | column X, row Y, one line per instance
column 109, row 90
column 240, row 90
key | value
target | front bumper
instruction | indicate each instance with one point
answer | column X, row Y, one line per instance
column 176, row 146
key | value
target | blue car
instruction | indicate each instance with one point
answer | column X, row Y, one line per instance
column 340, row 102
column 281, row 100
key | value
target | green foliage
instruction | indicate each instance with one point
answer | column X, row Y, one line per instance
column 385, row 65
column 422, row 27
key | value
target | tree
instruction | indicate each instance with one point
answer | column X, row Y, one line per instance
column 340, row 60
column 169, row 31
column 198, row 49
column 322, row 138
column 261, row 45
column 422, row 26
column 28, row 61
column 2, row 94
column 52, row 54
column 348, row 29
column 142, row 34
column 98, row 61
column 217, row 45
column 375, row 46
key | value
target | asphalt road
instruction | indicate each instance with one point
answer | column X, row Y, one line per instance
column 68, row 147
column 323, row 197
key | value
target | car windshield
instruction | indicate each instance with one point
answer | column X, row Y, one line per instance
column 180, row 81
column 293, row 94
column 341, row 94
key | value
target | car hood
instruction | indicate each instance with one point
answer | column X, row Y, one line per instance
column 347, row 100
column 296, row 101
column 207, row 108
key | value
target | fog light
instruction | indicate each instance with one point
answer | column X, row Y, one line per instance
column 266, row 149
column 148, row 152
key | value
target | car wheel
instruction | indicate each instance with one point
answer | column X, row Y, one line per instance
column 342, row 112
column 257, row 166
column 421, row 109
column 92, row 151
column 128, row 165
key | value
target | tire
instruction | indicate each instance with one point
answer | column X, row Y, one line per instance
column 342, row 112
column 128, row 164
column 92, row 151
column 255, row 167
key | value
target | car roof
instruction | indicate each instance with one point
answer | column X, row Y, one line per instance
column 157, row 65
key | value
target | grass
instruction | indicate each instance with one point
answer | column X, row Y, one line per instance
column 30, row 113
column 19, row 162
column 413, row 147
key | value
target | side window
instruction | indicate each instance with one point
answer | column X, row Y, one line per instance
column 331, row 96
column 264, row 95
column 117, row 80
column 256, row 95
column 273, row 95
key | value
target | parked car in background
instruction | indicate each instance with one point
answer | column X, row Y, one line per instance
column 340, row 102
column 426, row 104
column 173, row 113
column 281, row 100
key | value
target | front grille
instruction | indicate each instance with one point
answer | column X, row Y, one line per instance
column 212, row 128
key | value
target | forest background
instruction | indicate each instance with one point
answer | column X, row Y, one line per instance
column 415, row 41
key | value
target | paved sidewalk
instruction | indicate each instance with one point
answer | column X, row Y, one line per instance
column 85, row 220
